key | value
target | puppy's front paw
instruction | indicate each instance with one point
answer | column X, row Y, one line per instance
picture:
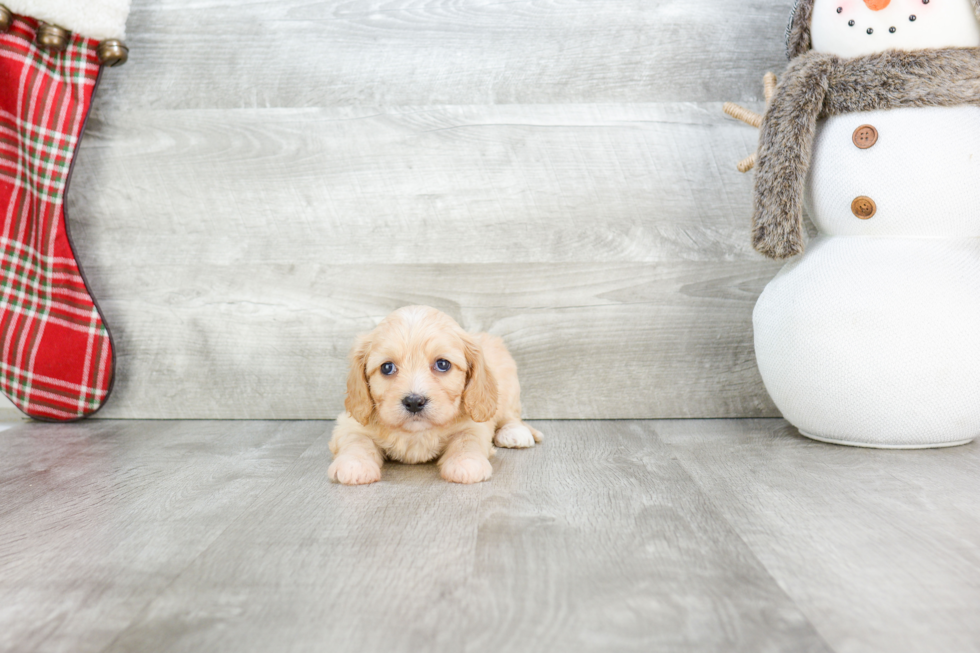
column 514, row 436
column 467, row 469
column 351, row 470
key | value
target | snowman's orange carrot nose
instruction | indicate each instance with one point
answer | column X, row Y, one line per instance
column 877, row 5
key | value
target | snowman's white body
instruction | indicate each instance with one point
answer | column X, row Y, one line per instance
column 872, row 337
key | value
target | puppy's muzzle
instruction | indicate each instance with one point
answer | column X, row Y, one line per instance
column 414, row 404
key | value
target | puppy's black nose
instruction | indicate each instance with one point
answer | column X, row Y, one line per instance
column 414, row 403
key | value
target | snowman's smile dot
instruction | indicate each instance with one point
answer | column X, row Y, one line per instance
column 892, row 30
column 840, row 9
column 870, row 31
column 851, row 23
column 925, row 2
column 912, row 18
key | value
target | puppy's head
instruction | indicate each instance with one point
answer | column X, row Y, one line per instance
column 418, row 369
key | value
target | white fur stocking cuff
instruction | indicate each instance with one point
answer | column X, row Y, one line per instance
column 95, row 19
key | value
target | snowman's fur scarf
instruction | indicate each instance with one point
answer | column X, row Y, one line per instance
column 798, row 30
column 817, row 85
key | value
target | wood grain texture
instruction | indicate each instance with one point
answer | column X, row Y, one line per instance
column 296, row 53
column 593, row 541
column 97, row 518
column 542, row 184
column 880, row 549
column 237, row 255
column 597, row 340
column 264, row 180
column 671, row 535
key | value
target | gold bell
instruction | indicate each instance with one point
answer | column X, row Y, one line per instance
column 6, row 19
column 112, row 52
column 52, row 37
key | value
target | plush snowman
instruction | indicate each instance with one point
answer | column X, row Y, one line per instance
column 871, row 337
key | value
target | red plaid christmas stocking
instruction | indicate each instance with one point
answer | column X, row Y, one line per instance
column 57, row 360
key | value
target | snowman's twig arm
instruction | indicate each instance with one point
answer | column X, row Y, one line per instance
column 743, row 114
column 751, row 117
column 747, row 163
column 769, row 86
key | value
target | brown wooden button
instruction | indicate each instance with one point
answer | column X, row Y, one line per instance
column 864, row 207
column 865, row 136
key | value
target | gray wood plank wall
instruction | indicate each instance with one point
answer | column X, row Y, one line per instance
column 264, row 180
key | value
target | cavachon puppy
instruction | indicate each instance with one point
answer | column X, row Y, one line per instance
column 421, row 388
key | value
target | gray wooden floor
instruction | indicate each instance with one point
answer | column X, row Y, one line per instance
column 719, row 535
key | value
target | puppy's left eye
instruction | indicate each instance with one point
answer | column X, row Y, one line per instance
column 443, row 365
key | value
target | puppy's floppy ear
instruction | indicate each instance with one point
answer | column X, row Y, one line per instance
column 359, row 402
column 480, row 394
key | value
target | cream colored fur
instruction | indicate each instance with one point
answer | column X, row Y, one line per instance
column 95, row 19
column 468, row 409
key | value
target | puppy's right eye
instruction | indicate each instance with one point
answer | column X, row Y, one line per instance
column 388, row 368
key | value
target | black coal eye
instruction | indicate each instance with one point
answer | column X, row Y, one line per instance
column 443, row 365
column 388, row 368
